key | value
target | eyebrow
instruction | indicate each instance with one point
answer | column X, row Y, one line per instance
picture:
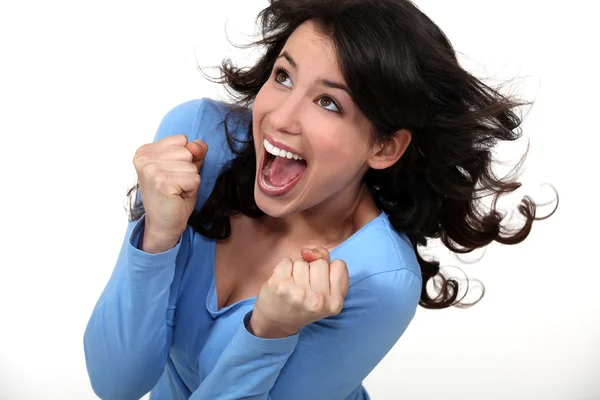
column 324, row 82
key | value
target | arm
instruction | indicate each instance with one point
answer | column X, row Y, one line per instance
column 128, row 335
column 327, row 359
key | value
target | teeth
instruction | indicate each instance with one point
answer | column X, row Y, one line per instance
column 277, row 152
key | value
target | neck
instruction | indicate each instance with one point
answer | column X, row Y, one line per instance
column 325, row 225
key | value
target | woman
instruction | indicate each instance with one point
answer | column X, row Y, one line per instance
column 275, row 254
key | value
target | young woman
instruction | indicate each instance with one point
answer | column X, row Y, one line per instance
column 274, row 252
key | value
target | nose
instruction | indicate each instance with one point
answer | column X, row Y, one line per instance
column 285, row 116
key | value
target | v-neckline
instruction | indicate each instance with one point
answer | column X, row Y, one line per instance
column 212, row 301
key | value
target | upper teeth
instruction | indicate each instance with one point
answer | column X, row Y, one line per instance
column 277, row 152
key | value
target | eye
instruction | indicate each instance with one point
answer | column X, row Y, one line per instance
column 282, row 77
column 328, row 102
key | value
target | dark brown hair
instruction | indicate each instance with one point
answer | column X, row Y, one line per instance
column 402, row 73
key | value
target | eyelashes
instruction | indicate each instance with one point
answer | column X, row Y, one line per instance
column 277, row 73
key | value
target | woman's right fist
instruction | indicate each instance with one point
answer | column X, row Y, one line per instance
column 169, row 179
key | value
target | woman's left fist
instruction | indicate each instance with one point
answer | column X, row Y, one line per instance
column 299, row 293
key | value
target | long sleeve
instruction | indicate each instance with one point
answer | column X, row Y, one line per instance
column 325, row 360
column 128, row 335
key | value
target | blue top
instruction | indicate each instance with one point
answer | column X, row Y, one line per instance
column 156, row 325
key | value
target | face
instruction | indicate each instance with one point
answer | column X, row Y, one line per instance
column 304, row 109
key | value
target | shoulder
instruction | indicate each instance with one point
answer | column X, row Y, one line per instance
column 383, row 268
column 377, row 248
column 205, row 119
column 202, row 119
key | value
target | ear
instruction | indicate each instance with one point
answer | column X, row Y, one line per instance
column 387, row 152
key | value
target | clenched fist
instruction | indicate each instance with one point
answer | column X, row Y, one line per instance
column 299, row 293
column 169, row 178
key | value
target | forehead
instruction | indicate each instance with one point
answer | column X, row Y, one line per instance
column 313, row 50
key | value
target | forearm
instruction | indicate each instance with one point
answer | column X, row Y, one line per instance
column 126, row 340
column 248, row 367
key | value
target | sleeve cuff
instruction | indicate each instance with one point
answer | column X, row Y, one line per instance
column 147, row 260
column 257, row 345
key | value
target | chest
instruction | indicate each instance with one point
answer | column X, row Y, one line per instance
column 242, row 264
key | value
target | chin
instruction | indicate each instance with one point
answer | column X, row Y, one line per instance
column 271, row 207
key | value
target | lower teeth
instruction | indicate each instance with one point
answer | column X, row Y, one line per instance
column 266, row 173
column 267, row 185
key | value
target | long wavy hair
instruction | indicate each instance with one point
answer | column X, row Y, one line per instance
column 402, row 72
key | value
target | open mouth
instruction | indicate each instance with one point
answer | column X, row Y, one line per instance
column 279, row 174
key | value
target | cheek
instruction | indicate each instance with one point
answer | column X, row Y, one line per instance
column 266, row 98
column 340, row 154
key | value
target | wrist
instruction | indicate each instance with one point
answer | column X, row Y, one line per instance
column 259, row 327
column 153, row 242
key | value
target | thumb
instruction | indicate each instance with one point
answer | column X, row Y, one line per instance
column 198, row 148
column 316, row 253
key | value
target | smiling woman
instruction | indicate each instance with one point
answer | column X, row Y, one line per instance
column 305, row 108
column 273, row 247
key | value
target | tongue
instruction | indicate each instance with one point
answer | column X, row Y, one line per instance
column 284, row 170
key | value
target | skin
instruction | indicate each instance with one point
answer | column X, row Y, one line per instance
column 169, row 179
column 331, row 201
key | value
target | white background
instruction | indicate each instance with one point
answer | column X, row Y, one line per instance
column 83, row 84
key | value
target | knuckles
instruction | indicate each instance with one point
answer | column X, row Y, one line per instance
column 139, row 159
column 287, row 291
column 296, row 295
column 314, row 303
column 311, row 305
column 150, row 170
column 150, row 151
column 143, row 149
column 161, row 179
column 180, row 139
column 336, row 304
